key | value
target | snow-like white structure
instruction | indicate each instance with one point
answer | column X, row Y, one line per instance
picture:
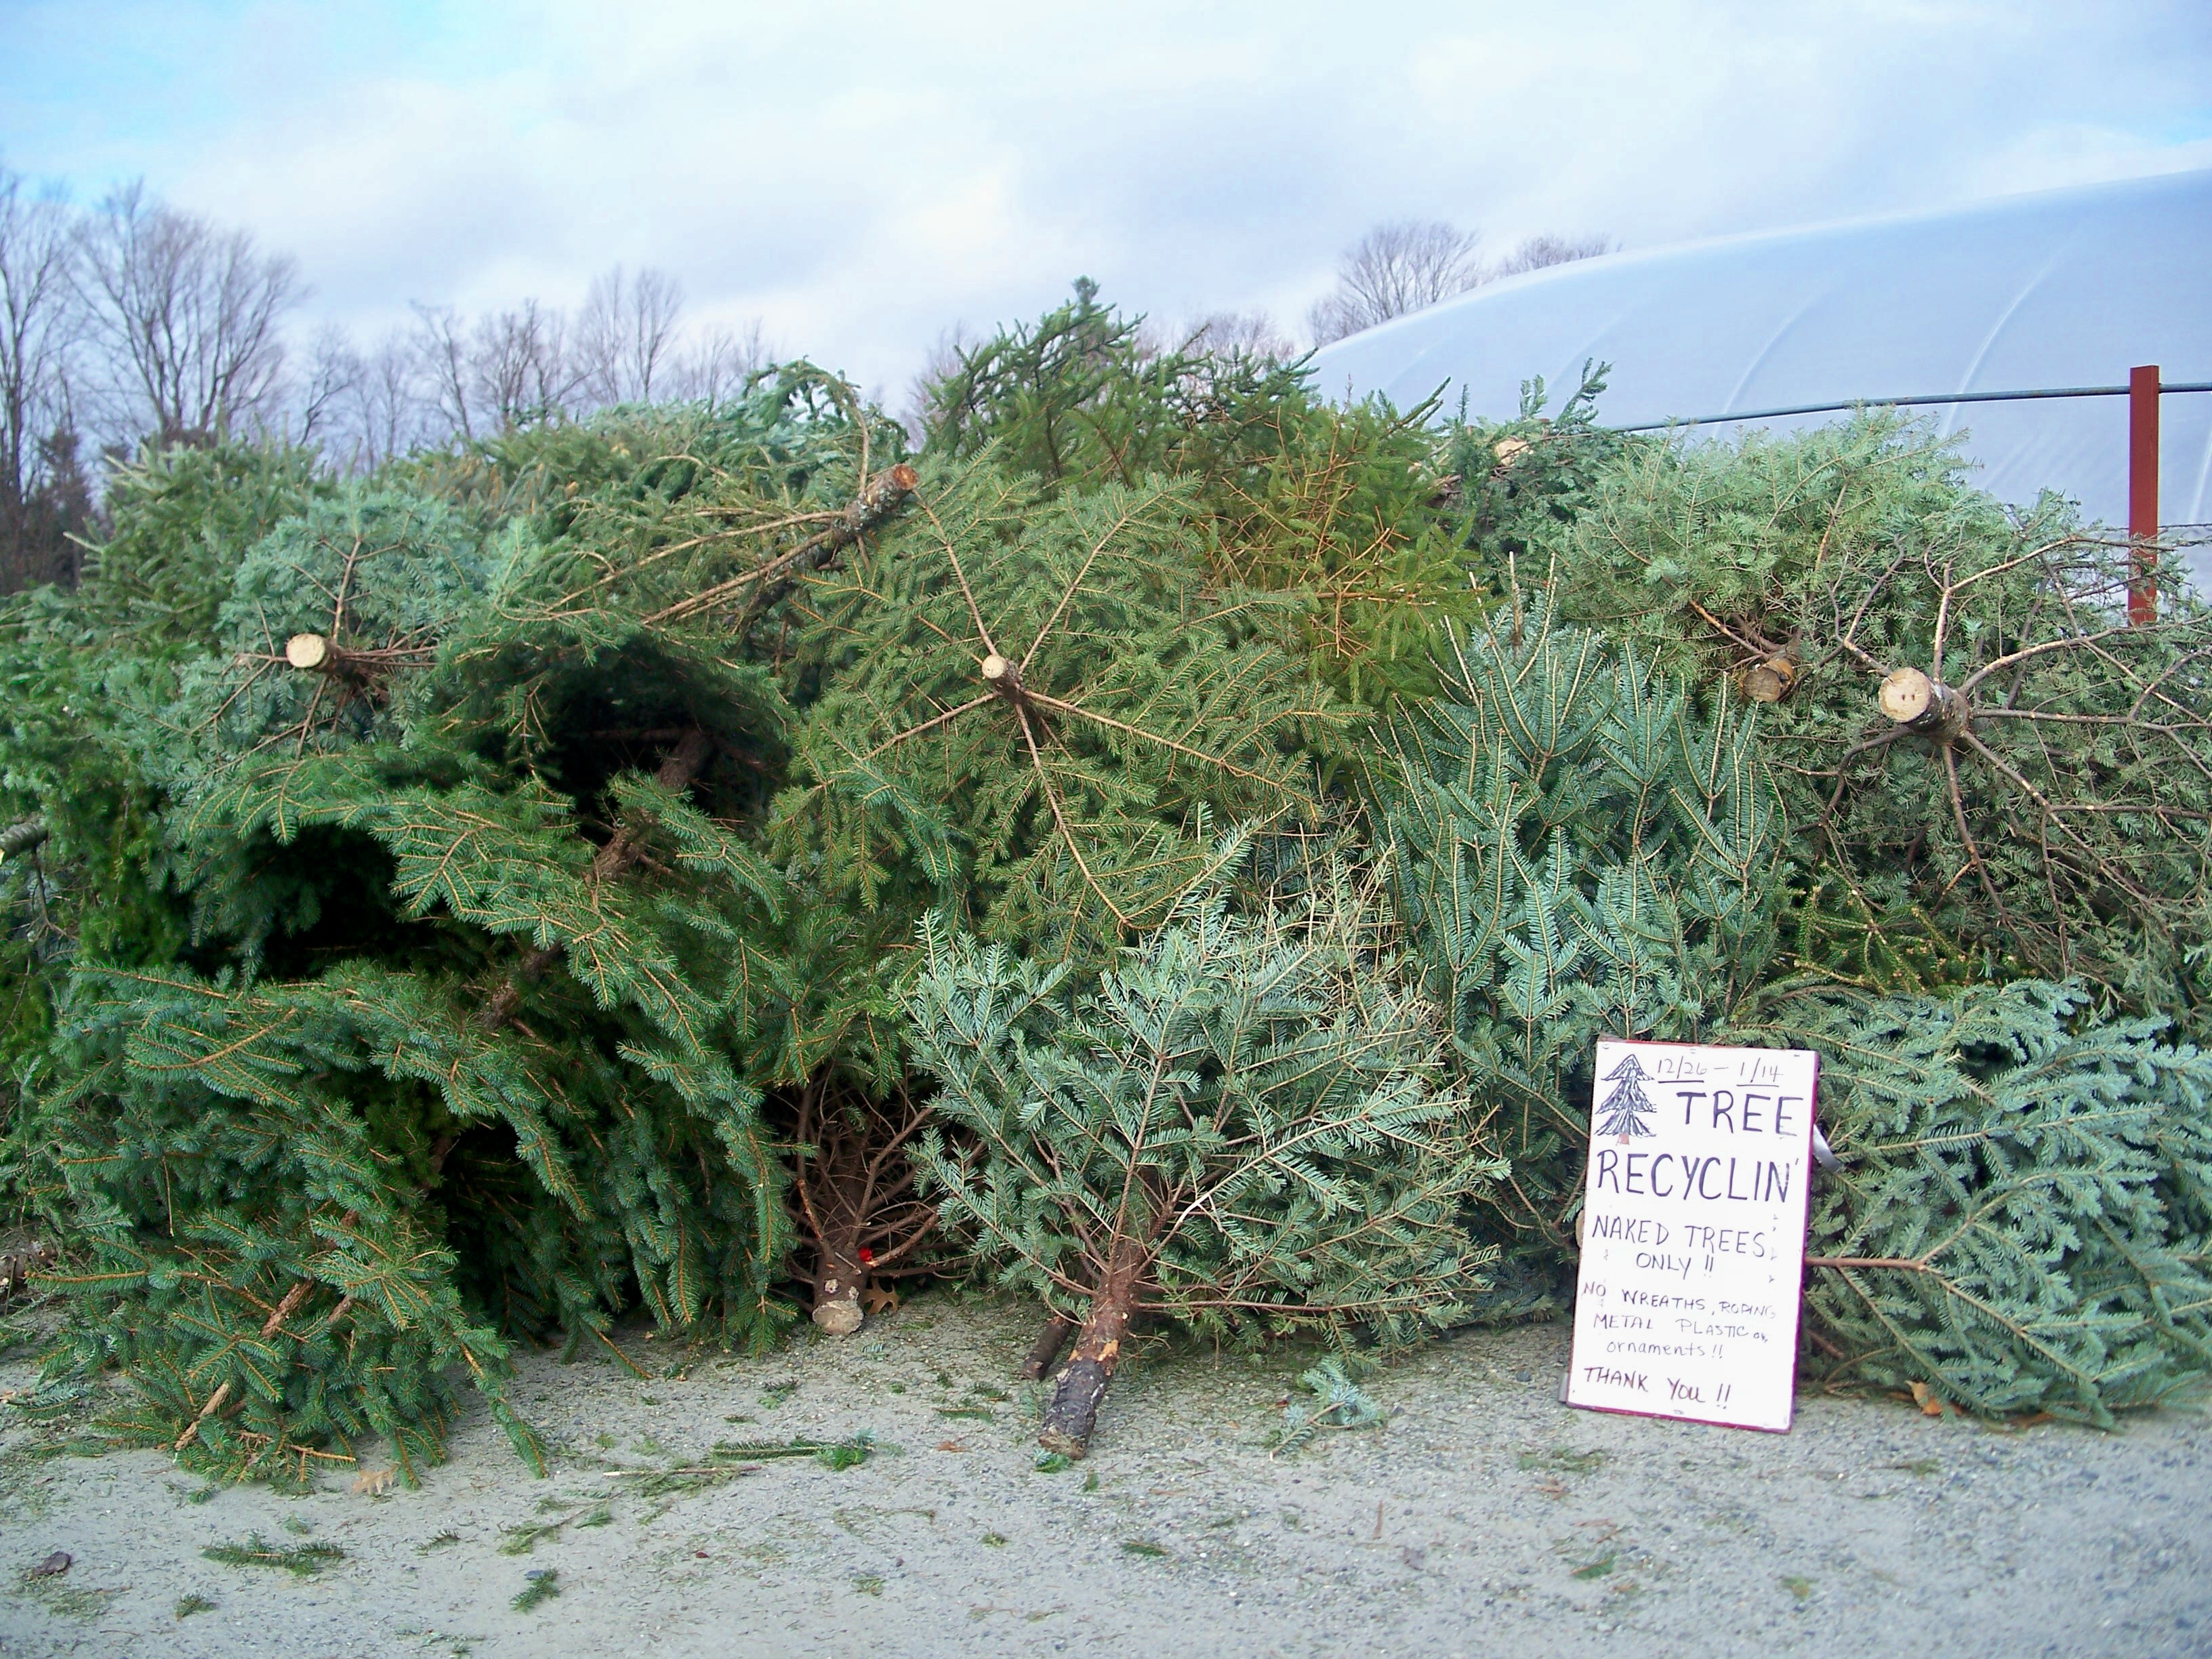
column 2064, row 289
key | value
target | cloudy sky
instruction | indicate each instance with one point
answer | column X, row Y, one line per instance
column 860, row 177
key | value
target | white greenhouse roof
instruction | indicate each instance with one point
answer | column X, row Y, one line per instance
column 2065, row 288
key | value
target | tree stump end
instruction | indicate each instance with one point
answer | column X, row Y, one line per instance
column 1066, row 1444
column 307, row 652
column 1770, row 681
column 1906, row 694
column 1919, row 702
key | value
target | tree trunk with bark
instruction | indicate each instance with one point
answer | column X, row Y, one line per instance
column 1071, row 1413
column 1044, row 1353
column 854, row 1190
column 837, row 1276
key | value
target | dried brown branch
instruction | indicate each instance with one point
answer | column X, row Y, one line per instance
column 878, row 499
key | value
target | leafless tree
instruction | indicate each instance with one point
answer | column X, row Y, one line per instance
column 626, row 335
column 715, row 364
column 505, row 369
column 472, row 377
column 1240, row 334
column 1410, row 263
column 388, row 416
column 190, row 317
column 442, row 356
column 42, row 495
column 363, row 408
column 1540, row 252
column 522, row 370
column 942, row 361
column 332, row 379
column 1394, row 268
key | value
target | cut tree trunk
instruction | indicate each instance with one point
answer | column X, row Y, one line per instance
column 309, row 652
column 1922, row 705
column 1044, row 1353
column 1071, row 1413
column 854, row 1192
column 17, row 1267
column 837, row 1277
column 319, row 654
column 22, row 837
column 1770, row 681
column 879, row 498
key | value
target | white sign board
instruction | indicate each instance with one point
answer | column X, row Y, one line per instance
column 1693, row 1233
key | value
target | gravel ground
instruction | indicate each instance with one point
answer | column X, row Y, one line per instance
column 1484, row 1518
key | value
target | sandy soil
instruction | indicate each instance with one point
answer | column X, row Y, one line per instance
column 1484, row 1518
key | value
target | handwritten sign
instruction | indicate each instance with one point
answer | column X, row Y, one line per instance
column 1693, row 1233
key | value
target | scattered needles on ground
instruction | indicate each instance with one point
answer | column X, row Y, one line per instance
column 543, row 1586
column 520, row 1541
column 830, row 1454
column 1559, row 1460
column 729, row 1459
column 302, row 1560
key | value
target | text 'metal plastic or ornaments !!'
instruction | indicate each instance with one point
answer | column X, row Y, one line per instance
column 1693, row 1233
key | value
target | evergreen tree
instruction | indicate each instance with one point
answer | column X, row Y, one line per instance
column 45, row 519
column 2020, row 1219
column 1992, row 770
column 1516, row 487
column 458, row 1048
column 1579, row 852
column 1032, row 712
column 1345, row 511
column 1626, row 1107
column 181, row 517
column 1086, row 396
column 1028, row 713
column 83, row 671
column 1245, row 1127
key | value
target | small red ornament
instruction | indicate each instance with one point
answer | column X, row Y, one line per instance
column 867, row 1256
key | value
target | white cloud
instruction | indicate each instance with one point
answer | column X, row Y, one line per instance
column 861, row 176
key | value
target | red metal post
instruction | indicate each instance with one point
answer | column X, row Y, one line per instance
column 2142, row 490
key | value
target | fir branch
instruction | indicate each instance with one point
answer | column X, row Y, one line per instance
column 622, row 849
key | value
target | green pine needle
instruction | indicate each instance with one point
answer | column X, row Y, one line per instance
column 300, row 1560
column 543, row 1586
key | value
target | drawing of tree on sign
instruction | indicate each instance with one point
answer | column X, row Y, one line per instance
column 1628, row 1104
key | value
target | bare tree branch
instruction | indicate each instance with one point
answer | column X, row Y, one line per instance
column 190, row 317
column 1400, row 266
column 1544, row 250
column 1410, row 264
column 42, row 342
column 626, row 335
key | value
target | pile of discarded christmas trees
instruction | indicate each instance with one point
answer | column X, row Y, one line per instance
column 1162, row 842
